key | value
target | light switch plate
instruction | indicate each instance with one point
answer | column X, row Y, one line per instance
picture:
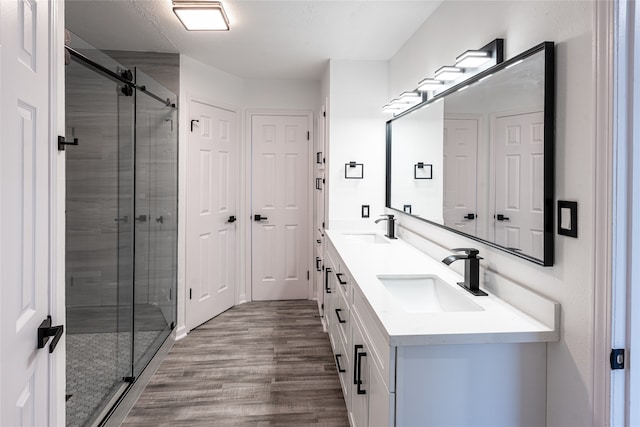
column 567, row 218
column 365, row 211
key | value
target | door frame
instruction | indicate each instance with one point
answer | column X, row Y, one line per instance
column 247, row 208
column 183, row 136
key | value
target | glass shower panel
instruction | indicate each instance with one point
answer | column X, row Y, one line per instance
column 156, row 217
column 99, row 236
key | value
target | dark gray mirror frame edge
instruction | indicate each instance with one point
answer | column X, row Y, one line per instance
column 549, row 150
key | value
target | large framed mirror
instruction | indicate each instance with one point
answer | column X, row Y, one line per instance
column 478, row 158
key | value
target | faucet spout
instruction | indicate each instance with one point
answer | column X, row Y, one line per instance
column 471, row 269
column 391, row 224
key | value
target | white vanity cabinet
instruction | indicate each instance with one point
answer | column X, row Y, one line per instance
column 408, row 379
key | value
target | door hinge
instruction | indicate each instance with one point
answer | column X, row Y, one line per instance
column 308, row 136
column 323, row 225
column 307, row 274
column 190, row 293
column 616, row 358
column 324, row 114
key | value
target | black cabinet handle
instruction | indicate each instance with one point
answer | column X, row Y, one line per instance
column 501, row 217
column 45, row 330
column 327, row 272
column 339, row 276
column 359, row 357
column 355, row 363
column 232, row 218
column 318, row 261
column 338, row 310
column 259, row 218
column 338, row 356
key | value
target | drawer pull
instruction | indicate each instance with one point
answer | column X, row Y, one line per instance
column 355, row 363
column 327, row 271
column 338, row 310
column 339, row 276
column 318, row 262
column 338, row 356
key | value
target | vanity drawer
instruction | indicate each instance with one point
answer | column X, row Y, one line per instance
column 382, row 354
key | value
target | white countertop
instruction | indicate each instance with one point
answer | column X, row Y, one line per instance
column 498, row 322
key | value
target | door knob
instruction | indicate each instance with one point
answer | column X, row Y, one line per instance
column 259, row 218
column 501, row 217
column 470, row 216
column 232, row 218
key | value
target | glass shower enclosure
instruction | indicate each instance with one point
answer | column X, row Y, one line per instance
column 121, row 227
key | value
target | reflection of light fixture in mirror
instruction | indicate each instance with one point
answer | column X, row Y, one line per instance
column 447, row 73
column 411, row 98
column 393, row 108
column 201, row 15
column 429, row 84
column 472, row 59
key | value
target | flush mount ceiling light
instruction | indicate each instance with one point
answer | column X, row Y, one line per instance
column 429, row 84
column 472, row 59
column 448, row 73
column 201, row 15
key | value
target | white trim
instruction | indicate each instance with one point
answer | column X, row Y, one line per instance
column 247, row 207
column 602, row 184
column 57, row 225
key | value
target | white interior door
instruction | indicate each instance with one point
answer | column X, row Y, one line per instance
column 279, row 200
column 460, row 174
column 212, row 189
column 25, row 206
column 519, row 174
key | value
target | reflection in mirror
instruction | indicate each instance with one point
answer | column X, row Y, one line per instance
column 490, row 144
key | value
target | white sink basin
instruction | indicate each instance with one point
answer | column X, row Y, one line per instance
column 427, row 294
column 366, row 237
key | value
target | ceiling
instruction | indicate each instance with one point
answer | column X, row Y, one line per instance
column 290, row 39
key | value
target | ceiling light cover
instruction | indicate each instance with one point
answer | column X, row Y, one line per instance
column 472, row 59
column 201, row 16
column 429, row 84
column 448, row 73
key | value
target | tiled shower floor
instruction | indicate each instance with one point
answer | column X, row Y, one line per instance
column 94, row 371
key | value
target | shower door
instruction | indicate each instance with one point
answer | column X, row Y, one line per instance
column 156, row 222
column 99, row 235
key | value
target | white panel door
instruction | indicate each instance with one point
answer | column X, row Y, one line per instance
column 519, row 172
column 212, row 189
column 279, row 200
column 25, row 173
column 460, row 176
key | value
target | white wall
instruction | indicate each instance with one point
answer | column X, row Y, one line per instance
column 206, row 83
column 457, row 26
column 357, row 92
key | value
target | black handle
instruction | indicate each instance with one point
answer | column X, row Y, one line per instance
column 232, row 218
column 338, row 356
column 124, row 219
column 318, row 241
column 338, row 310
column 45, row 330
column 318, row 262
column 501, row 217
column 327, row 272
column 355, row 363
column 141, row 218
column 359, row 357
column 469, row 216
column 160, row 220
column 259, row 218
column 318, row 183
column 339, row 276
column 62, row 142
column 192, row 122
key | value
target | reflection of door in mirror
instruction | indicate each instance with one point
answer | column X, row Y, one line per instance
column 519, row 177
column 460, row 178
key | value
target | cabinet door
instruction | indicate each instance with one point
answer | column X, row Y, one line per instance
column 360, row 378
column 381, row 402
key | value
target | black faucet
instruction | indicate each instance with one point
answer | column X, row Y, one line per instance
column 471, row 269
column 391, row 225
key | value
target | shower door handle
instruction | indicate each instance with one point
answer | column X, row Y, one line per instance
column 141, row 218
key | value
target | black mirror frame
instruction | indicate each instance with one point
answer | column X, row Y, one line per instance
column 549, row 149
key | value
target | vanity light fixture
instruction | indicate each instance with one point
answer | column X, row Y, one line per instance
column 472, row 59
column 393, row 108
column 201, row 15
column 429, row 84
column 448, row 73
column 411, row 98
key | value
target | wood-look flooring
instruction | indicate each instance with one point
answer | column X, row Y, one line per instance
column 258, row 364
